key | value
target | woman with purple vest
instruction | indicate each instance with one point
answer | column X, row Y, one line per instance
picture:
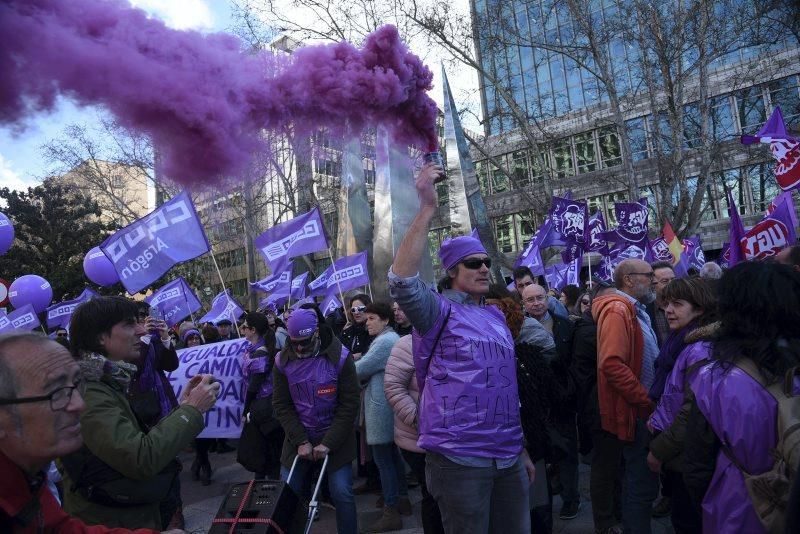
column 316, row 400
column 469, row 419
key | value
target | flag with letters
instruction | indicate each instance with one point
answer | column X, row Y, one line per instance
column 174, row 301
column 59, row 315
column 224, row 306
column 302, row 235
column 149, row 247
column 349, row 273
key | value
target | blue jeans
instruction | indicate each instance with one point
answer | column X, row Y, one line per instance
column 340, row 484
column 639, row 484
column 392, row 472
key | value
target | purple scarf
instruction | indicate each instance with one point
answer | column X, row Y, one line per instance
column 667, row 356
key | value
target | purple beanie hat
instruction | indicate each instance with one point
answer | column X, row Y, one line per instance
column 190, row 333
column 302, row 323
column 457, row 248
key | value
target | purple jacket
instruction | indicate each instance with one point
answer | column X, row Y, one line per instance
column 254, row 362
column 743, row 415
column 672, row 399
column 469, row 404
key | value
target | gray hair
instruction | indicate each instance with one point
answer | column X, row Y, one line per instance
column 8, row 382
column 711, row 270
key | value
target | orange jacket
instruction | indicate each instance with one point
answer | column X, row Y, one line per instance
column 620, row 347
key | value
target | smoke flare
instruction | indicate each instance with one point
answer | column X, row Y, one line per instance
column 201, row 99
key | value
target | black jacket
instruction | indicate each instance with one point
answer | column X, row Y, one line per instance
column 583, row 369
column 562, row 335
column 537, row 393
column 355, row 338
column 700, row 453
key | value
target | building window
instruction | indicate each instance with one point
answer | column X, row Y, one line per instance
column 763, row 185
column 504, row 232
column 722, row 126
column 525, row 226
column 585, row 152
column 321, row 264
column 499, row 179
column 637, row 137
column 519, row 167
column 750, row 105
column 331, row 221
column 117, row 182
column 662, row 133
column 239, row 288
column 562, row 159
column 609, row 147
column 480, row 172
column 732, row 179
column 786, row 94
column 609, row 201
column 691, row 125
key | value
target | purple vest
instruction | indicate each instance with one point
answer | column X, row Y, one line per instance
column 313, row 385
column 256, row 361
column 469, row 403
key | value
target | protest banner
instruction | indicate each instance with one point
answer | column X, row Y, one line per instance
column 224, row 361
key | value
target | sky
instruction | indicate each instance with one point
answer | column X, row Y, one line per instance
column 21, row 162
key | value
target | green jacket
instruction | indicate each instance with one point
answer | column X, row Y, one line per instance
column 111, row 432
column 341, row 436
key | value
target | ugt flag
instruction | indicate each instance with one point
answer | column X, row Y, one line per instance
column 147, row 248
column 349, row 273
column 175, row 301
column 772, row 234
column 224, row 306
column 302, row 235
column 58, row 315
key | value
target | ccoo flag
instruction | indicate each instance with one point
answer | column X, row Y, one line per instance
column 148, row 247
column 319, row 286
column 349, row 273
column 58, row 315
column 23, row 318
column 302, row 235
column 175, row 301
column 224, row 306
column 299, row 289
column 278, row 284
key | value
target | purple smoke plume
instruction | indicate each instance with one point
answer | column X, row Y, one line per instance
column 199, row 97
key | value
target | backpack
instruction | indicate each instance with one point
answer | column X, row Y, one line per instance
column 769, row 491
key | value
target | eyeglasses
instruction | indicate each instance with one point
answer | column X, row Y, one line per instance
column 62, row 334
column 357, row 309
column 301, row 345
column 651, row 275
column 59, row 399
column 475, row 263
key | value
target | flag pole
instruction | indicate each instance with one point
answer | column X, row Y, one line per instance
column 333, row 268
column 589, row 255
column 224, row 290
column 369, row 288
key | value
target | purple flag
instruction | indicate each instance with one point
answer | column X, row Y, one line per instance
column 23, row 318
column 553, row 276
column 58, row 315
column 278, row 284
column 693, row 252
column 596, row 231
column 725, row 255
column 771, row 235
column 632, row 220
column 275, row 300
column 605, row 271
column 302, row 235
column 349, row 273
column 5, row 323
column 147, row 248
column 224, row 306
column 531, row 256
column 319, row 286
column 570, row 220
column 571, row 273
column 660, row 250
column 299, row 289
column 330, row 304
column 735, row 233
column 785, row 149
column 175, row 301
column 571, row 252
column 784, row 198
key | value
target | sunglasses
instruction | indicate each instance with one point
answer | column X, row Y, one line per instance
column 302, row 345
column 585, row 301
column 357, row 309
column 475, row 263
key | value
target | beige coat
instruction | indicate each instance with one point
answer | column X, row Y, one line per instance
column 402, row 392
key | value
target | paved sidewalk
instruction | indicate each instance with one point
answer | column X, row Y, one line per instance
column 202, row 502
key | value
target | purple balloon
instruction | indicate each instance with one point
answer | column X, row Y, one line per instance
column 6, row 234
column 99, row 269
column 31, row 289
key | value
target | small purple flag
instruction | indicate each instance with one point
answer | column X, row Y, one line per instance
column 632, row 220
column 570, row 220
column 299, row 289
column 531, row 256
column 278, row 284
column 735, row 233
column 58, row 315
column 274, row 300
column 330, row 304
column 224, row 306
column 349, row 272
column 175, row 301
column 319, row 286
column 23, row 318
column 302, row 235
column 693, row 252
column 571, row 273
column 725, row 255
column 147, row 248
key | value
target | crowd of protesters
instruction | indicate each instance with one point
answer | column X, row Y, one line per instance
column 487, row 396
